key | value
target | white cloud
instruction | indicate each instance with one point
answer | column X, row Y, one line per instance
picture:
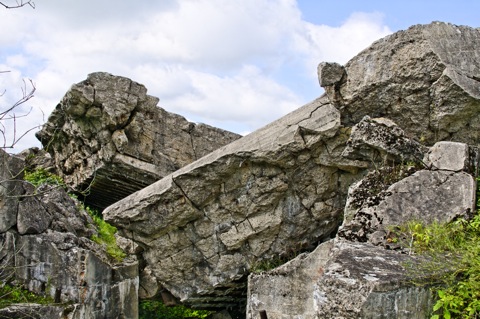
column 225, row 63
column 339, row 44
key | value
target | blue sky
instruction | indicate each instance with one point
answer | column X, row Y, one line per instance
column 398, row 15
column 237, row 65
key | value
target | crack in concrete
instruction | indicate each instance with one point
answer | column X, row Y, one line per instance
column 191, row 128
column 192, row 203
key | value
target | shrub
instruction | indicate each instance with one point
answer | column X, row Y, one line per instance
column 154, row 309
column 40, row 177
column 14, row 294
column 106, row 232
column 453, row 254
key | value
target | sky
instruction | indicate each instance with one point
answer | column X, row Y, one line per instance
column 233, row 64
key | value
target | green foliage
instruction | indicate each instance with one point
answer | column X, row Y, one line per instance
column 153, row 309
column 15, row 294
column 453, row 254
column 106, row 232
column 40, row 177
column 106, row 235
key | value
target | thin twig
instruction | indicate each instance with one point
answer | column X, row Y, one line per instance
column 8, row 114
column 19, row 4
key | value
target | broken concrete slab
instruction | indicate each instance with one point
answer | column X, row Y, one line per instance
column 109, row 139
column 425, row 79
column 276, row 189
column 394, row 196
column 380, row 139
column 426, row 196
column 340, row 279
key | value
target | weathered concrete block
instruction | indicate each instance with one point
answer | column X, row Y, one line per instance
column 11, row 187
column 450, row 156
column 339, row 280
column 109, row 138
column 330, row 73
column 205, row 225
column 68, row 269
column 425, row 79
column 425, row 196
column 380, row 139
column 32, row 217
column 47, row 249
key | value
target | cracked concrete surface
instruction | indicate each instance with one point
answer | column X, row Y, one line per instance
column 203, row 227
column 420, row 78
column 206, row 225
column 109, row 139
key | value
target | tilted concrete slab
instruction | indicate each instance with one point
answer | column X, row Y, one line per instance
column 278, row 190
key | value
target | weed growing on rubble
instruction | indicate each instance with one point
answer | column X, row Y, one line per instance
column 41, row 177
column 15, row 294
column 106, row 232
column 453, row 254
column 153, row 309
column 268, row 264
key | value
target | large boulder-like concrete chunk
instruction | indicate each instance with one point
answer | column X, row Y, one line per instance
column 109, row 139
column 204, row 226
column 340, row 279
column 426, row 196
column 425, row 79
column 47, row 248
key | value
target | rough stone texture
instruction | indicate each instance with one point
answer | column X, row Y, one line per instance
column 420, row 197
column 287, row 291
column 425, row 79
column 36, row 158
column 281, row 187
column 72, row 270
column 34, row 311
column 450, row 156
column 277, row 189
column 340, row 279
column 330, row 73
column 11, row 170
column 109, row 138
column 47, row 249
column 32, row 217
column 383, row 140
column 344, row 278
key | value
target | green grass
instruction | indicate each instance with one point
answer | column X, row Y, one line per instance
column 453, row 254
column 13, row 294
column 106, row 237
column 106, row 232
column 154, row 309
column 40, row 177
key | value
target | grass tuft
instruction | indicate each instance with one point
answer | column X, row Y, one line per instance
column 452, row 251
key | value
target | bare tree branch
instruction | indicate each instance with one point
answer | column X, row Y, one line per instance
column 18, row 4
column 10, row 115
